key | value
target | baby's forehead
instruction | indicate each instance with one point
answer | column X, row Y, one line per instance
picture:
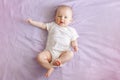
column 64, row 10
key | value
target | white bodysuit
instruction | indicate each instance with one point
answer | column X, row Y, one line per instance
column 59, row 39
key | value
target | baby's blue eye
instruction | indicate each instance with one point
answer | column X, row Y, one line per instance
column 59, row 16
column 65, row 16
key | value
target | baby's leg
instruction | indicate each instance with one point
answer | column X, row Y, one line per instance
column 64, row 57
column 44, row 59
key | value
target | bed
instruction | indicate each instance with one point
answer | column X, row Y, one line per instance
column 96, row 21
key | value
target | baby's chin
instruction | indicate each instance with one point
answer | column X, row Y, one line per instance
column 63, row 25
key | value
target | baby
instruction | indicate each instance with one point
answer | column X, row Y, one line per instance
column 60, row 39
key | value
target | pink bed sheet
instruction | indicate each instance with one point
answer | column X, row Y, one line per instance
column 96, row 21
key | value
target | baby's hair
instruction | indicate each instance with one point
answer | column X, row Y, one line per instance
column 63, row 6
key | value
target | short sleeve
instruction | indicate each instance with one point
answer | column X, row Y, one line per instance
column 74, row 35
column 49, row 25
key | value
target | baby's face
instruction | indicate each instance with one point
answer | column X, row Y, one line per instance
column 63, row 17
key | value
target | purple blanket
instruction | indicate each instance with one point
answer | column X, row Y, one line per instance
column 96, row 21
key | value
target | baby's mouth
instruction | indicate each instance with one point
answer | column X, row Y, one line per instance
column 61, row 22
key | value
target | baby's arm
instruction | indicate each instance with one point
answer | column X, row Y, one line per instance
column 38, row 24
column 74, row 45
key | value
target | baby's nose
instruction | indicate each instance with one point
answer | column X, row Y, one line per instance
column 62, row 18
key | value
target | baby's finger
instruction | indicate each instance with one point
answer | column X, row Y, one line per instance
column 28, row 20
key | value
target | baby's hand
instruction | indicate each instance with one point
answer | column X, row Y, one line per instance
column 29, row 20
column 75, row 48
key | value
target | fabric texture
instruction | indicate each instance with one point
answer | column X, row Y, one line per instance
column 96, row 21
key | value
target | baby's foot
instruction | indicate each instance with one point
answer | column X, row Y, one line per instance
column 57, row 62
column 49, row 72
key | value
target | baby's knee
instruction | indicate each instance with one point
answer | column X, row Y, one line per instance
column 40, row 58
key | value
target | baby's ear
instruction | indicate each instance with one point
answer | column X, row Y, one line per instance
column 55, row 18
